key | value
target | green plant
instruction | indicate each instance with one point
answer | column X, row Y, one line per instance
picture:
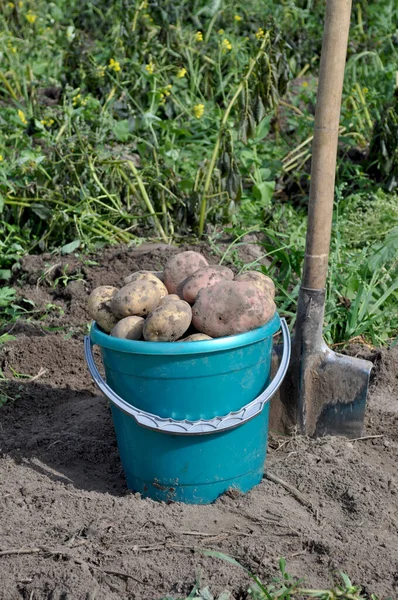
column 283, row 587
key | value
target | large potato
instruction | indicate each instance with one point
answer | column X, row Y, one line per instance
column 138, row 298
column 204, row 277
column 129, row 328
column 258, row 279
column 138, row 275
column 168, row 322
column 231, row 307
column 99, row 306
column 195, row 337
column 169, row 298
column 181, row 266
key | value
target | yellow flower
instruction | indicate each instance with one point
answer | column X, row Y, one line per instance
column 47, row 122
column 199, row 36
column 260, row 33
column 20, row 4
column 237, row 18
column 220, row 31
column 181, row 73
column 1, row 158
column 167, row 90
column 365, row 90
column 198, row 110
column 226, row 45
column 149, row 68
column 101, row 71
column 305, row 84
column 11, row 5
column 30, row 17
column 13, row 49
column 22, row 116
column 114, row 65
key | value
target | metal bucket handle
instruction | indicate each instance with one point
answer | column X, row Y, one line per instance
column 203, row 426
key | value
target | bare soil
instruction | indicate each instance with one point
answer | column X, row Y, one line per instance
column 70, row 530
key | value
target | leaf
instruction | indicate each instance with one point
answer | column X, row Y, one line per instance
column 122, row 130
column 205, row 594
column 2, row 203
column 6, row 337
column 71, row 247
column 43, row 212
column 264, row 191
column 7, row 295
column 5, row 274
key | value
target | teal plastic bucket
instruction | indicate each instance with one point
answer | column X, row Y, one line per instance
column 191, row 419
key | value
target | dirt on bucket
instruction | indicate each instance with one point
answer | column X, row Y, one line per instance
column 72, row 531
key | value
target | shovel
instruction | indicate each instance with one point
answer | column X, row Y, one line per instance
column 325, row 392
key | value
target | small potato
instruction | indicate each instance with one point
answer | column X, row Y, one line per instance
column 99, row 306
column 231, row 307
column 259, row 279
column 168, row 322
column 169, row 298
column 195, row 337
column 205, row 277
column 129, row 328
column 181, row 266
column 138, row 298
column 142, row 275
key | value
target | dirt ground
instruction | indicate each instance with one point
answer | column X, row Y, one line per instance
column 70, row 530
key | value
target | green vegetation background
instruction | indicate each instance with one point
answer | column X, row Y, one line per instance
column 126, row 120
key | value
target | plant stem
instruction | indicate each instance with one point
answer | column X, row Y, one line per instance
column 203, row 203
column 147, row 201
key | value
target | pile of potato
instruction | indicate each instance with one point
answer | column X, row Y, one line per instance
column 189, row 297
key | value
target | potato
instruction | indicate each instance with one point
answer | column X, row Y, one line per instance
column 168, row 322
column 138, row 298
column 169, row 298
column 147, row 276
column 138, row 275
column 195, row 337
column 231, row 307
column 129, row 328
column 99, row 306
column 181, row 266
column 259, row 279
column 204, row 277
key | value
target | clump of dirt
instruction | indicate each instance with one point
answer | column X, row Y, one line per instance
column 72, row 531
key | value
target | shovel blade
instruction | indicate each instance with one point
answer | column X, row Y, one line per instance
column 332, row 394
column 324, row 393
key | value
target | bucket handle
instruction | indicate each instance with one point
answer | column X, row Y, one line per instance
column 203, row 426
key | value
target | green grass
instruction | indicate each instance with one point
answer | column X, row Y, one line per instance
column 129, row 120
column 283, row 587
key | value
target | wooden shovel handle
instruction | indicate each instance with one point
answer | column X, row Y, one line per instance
column 324, row 147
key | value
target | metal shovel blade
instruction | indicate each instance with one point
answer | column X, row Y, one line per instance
column 324, row 392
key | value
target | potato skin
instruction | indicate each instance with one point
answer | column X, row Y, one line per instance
column 99, row 306
column 139, row 275
column 168, row 322
column 181, row 266
column 259, row 279
column 129, row 328
column 138, row 298
column 195, row 337
column 205, row 277
column 231, row 307
column 169, row 298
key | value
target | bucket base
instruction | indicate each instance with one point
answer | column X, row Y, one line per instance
column 194, row 494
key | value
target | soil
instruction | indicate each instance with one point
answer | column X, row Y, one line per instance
column 72, row 531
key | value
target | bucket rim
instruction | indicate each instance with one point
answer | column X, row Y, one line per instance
column 230, row 342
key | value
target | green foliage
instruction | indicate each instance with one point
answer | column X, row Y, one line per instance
column 283, row 587
column 126, row 120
